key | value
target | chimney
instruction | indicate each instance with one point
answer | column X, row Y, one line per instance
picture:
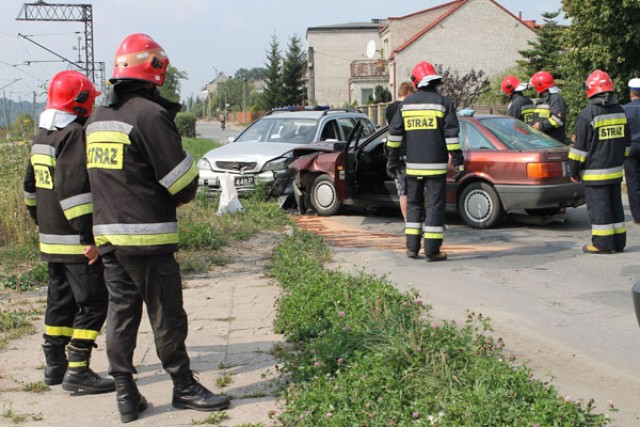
column 520, row 16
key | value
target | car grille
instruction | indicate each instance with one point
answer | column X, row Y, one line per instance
column 237, row 166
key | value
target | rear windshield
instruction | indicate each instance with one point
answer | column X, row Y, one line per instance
column 517, row 135
column 290, row 130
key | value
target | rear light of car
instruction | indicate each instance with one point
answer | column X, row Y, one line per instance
column 545, row 170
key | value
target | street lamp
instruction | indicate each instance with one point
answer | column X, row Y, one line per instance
column 244, row 99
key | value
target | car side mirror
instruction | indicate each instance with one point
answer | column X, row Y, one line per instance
column 231, row 139
column 339, row 145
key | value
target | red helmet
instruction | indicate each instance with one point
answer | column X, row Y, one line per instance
column 140, row 57
column 423, row 70
column 509, row 85
column 598, row 82
column 72, row 92
column 542, row 80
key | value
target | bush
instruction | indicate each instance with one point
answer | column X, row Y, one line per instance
column 186, row 124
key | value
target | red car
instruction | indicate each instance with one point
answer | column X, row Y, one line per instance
column 509, row 166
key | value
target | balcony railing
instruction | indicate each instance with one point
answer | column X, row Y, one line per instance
column 375, row 68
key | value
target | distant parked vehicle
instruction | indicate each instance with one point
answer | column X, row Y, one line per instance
column 509, row 166
column 264, row 148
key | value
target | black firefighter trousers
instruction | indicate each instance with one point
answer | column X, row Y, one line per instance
column 76, row 303
column 155, row 281
column 426, row 215
column 608, row 229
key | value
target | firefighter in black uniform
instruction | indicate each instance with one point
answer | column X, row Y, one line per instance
column 549, row 112
column 58, row 197
column 140, row 174
column 427, row 127
column 599, row 145
column 513, row 88
column 632, row 162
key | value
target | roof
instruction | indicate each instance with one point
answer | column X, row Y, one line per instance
column 374, row 25
column 438, row 14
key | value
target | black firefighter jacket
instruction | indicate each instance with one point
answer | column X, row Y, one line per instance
column 57, row 193
column 139, row 171
column 600, row 142
column 427, row 127
column 550, row 111
column 518, row 101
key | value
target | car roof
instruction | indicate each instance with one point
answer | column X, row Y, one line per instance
column 310, row 114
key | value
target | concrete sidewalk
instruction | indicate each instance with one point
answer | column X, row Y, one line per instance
column 231, row 313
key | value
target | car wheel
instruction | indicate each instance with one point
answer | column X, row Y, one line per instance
column 324, row 197
column 543, row 211
column 479, row 205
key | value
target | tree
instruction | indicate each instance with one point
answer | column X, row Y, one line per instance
column 462, row 90
column 603, row 35
column 171, row 87
column 294, row 92
column 273, row 90
column 546, row 50
column 381, row 94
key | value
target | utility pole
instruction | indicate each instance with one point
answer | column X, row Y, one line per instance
column 244, row 100
column 42, row 11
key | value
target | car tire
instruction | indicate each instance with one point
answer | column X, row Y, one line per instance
column 324, row 196
column 479, row 205
column 543, row 211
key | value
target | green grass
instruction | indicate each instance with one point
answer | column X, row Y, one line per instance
column 198, row 146
column 362, row 353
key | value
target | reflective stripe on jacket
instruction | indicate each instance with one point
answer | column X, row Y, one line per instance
column 57, row 193
column 139, row 174
column 600, row 142
column 427, row 127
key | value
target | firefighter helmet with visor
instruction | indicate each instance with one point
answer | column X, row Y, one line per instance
column 598, row 82
column 510, row 84
column 73, row 92
column 423, row 73
column 139, row 57
column 541, row 81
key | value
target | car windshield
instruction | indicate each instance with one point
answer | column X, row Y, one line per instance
column 289, row 130
column 517, row 135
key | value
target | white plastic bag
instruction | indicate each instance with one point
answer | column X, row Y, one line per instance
column 229, row 201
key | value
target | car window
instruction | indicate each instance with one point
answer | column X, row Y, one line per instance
column 289, row 130
column 367, row 127
column 473, row 138
column 346, row 126
column 518, row 136
column 330, row 131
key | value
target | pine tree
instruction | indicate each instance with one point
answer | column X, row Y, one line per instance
column 294, row 91
column 273, row 90
column 546, row 51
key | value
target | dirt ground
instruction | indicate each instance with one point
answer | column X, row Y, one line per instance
column 231, row 311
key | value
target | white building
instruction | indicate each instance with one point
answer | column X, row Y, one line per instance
column 348, row 61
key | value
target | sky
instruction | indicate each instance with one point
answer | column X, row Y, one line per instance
column 201, row 37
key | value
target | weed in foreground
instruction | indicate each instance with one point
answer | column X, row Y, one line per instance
column 360, row 352
column 213, row 418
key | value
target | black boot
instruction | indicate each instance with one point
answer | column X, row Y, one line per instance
column 56, row 364
column 130, row 401
column 80, row 378
column 188, row 393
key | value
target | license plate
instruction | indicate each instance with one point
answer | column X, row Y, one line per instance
column 244, row 181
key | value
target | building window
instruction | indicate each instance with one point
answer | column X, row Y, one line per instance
column 367, row 95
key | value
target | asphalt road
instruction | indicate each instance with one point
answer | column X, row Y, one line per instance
column 566, row 314
column 212, row 130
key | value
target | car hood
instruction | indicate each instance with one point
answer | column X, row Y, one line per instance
column 260, row 152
